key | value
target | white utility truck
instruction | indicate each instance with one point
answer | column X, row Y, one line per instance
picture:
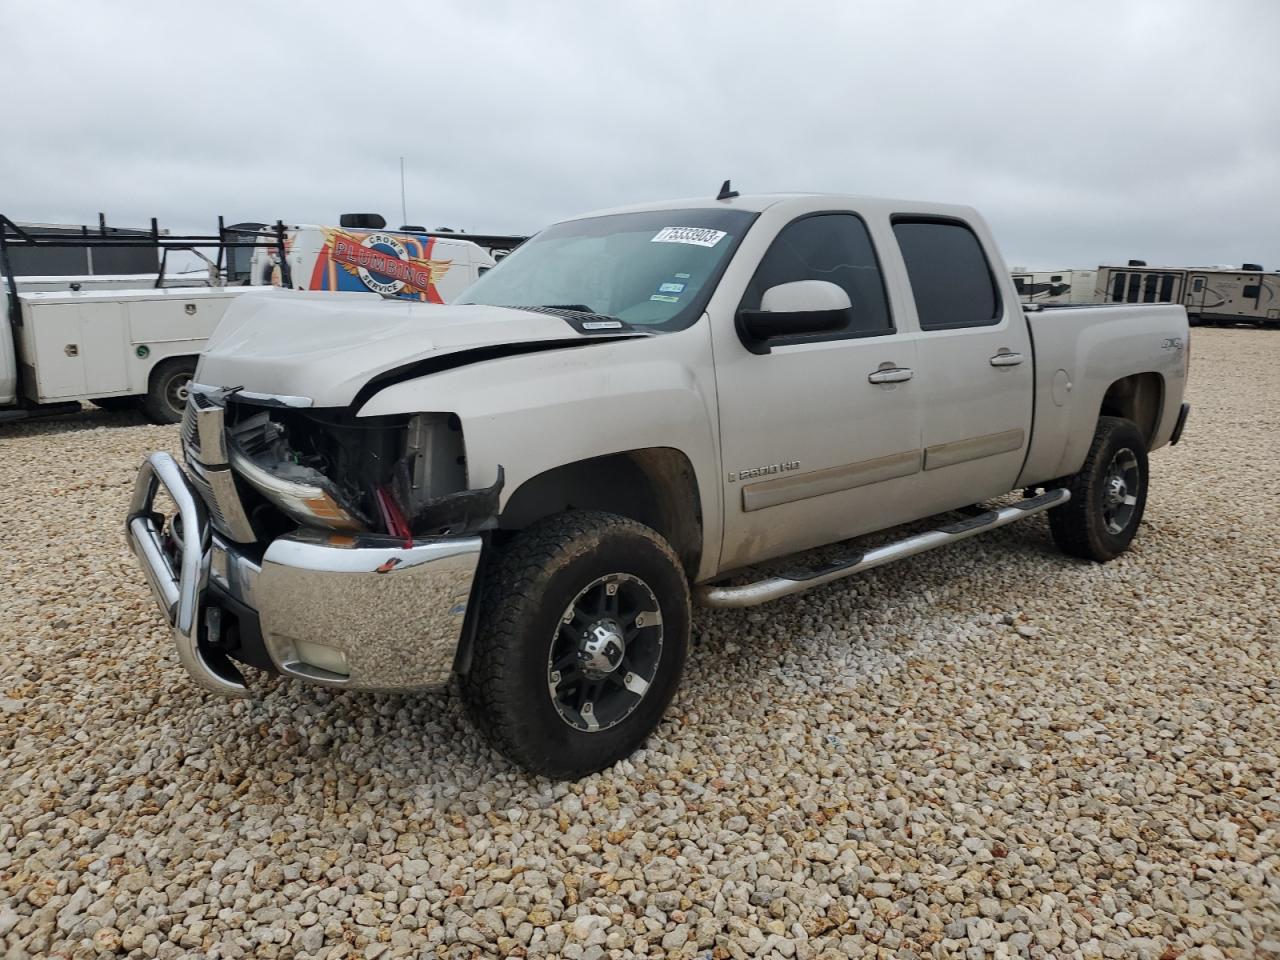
column 107, row 281
column 116, row 340
column 634, row 409
column 132, row 341
column 116, row 348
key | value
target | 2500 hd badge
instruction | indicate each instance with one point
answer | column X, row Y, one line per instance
column 753, row 472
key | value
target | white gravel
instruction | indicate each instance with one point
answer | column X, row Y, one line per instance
column 989, row 750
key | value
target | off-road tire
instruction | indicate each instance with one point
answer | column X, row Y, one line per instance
column 1080, row 526
column 527, row 587
column 168, row 380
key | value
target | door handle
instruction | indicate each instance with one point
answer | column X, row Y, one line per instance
column 891, row 375
column 1006, row 359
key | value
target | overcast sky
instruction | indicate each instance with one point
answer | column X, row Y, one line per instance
column 1086, row 132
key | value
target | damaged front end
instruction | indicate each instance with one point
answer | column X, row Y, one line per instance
column 405, row 476
column 313, row 543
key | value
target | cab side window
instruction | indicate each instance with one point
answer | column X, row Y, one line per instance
column 950, row 278
column 834, row 247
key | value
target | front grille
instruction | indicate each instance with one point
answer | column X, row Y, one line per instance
column 213, row 480
column 190, row 432
column 210, row 499
column 197, row 401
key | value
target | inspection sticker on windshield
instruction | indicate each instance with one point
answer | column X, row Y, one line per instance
column 698, row 236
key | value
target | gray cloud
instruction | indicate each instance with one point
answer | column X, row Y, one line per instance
column 1086, row 132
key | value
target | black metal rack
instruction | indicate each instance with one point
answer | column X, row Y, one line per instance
column 12, row 235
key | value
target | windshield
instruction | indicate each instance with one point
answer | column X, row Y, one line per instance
column 653, row 269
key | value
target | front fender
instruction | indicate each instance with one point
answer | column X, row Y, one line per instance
column 533, row 412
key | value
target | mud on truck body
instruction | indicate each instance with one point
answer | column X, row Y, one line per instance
column 527, row 489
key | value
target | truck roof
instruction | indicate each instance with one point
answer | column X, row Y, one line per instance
column 759, row 202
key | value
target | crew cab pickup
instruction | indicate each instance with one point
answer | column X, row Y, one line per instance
column 528, row 488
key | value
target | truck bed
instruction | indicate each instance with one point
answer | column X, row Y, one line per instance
column 1110, row 343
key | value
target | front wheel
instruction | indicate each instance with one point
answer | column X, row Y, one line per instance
column 1108, row 495
column 581, row 643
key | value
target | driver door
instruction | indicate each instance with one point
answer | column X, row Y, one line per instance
column 820, row 436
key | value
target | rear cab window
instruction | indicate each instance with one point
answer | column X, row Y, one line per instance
column 835, row 247
column 951, row 280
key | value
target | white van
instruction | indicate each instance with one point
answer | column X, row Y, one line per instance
column 391, row 263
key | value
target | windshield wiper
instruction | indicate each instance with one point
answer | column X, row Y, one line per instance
column 575, row 307
column 559, row 308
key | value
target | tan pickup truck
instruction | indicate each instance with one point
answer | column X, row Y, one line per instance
column 528, row 488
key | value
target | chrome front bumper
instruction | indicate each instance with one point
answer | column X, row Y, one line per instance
column 356, row 611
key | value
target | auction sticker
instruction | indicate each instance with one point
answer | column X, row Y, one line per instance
column 698, row 236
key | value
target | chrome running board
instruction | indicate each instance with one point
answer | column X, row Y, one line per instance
column 762, row 591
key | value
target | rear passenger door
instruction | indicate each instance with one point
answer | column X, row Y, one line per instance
column 975, row 369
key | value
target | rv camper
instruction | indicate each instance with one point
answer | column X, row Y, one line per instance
column 1054, row 288
column 1247, row 294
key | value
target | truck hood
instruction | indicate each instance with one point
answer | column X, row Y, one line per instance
column 327, row 346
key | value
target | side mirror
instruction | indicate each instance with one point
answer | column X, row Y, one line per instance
column 794, row 309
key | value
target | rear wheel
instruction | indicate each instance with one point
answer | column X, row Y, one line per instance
column 1108, row 495
column 166, row 398
column 581, row 643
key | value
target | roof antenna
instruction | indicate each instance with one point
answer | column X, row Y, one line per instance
column 726, row 192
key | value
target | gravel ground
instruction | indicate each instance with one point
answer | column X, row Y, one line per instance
column 988, row 750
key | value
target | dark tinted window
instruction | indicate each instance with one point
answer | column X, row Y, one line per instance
column 950, row 279
column 1135, row 287
column 1166, row 288
column 1252, row 291
column 1117, row 288
column 1198, row 285
column 834, row 247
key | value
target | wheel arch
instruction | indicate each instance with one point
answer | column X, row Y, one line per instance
column 171, row 361
column 1139, row 398
column 655, row 486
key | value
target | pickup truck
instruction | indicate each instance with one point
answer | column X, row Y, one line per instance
column 527, row 489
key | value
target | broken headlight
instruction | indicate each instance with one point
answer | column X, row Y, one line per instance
column 262, row 456
column 301, row 493
column 404, row 475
